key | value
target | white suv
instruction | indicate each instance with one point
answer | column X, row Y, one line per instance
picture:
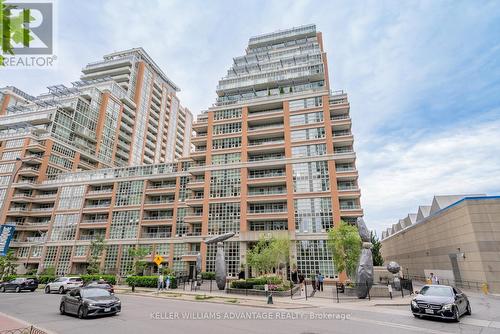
column 64, row 284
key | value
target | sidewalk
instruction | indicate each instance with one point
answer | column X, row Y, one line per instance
column 218, row 296
column 10, row 324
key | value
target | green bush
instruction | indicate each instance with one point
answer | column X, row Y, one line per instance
column 44, row 279
column 257, row 283
column 111, row 279
column 8, row 278
column 148, row 281
column 208, row 275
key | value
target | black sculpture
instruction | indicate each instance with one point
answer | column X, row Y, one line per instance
column 220, row 259
column 364, row 274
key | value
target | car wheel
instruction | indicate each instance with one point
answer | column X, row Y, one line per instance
column 62, row 309
column 456, row 315
column 18, row 289
column 82, row 314
column 468, row 310
column 47, row 289
column 61, row 290
column 32, row 290
column 2, row 289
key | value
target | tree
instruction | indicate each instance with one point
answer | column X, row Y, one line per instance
column 97, row 247
column 280, row 251
column 260, row 258
column 269, row 253
column 138, row 263
column 7, row 264
column 345, row 244
column 377, row 257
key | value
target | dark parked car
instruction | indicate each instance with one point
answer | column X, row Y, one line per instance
column 100, row 284
column 19, row 284
column 440, row 301
column 90, row 301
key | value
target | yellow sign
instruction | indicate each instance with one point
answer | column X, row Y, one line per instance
column 158, row 260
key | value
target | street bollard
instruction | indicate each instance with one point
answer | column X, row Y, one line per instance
column 270, row 298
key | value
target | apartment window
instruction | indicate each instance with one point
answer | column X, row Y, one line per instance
column 63, row 150
column 269, row 225
column 124, row 224
column 232, row 253
column 181, row 227
column 266, row 207
column 313, row 256
column 225, row 183
column 63, row 264
column 50, row 257
column 309, row 118
column 4, row 180
column 223, row 218
column 64, row 162
column 162, row 249
column 257, row 174
column 305, row 134
column 311, row 177
column 129, row 193
column 71, row 198
column 225, row 143
column 220, row 129
column 227, row 158
column 227, row 114
column 36, row 251
column 64, row 227
column 306, row 103
column 81, row 250
column 180, row 266
column 23, row 252
column 11, row 155
column 14, row 143
column 7, row 168
column 313, row 215
column 126, row 261
column 183, row 181
column 111, row 259
column 308, row 150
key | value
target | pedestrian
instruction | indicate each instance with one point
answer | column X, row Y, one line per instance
column 295, row 278
column 435, row 279
column 160, row 282
column 316, row 280
column 301, row 282
column 167, row 282
column 321, row 278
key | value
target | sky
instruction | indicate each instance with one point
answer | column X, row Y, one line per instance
column 423, row 78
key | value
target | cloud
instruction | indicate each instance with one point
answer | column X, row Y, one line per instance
column 401, row 175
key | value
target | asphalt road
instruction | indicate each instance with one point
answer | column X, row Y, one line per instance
column 150, row 315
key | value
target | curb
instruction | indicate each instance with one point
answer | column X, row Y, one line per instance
column 27, row 324
column 215, row 301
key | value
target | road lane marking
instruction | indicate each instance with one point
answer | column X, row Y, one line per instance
column 401, row 326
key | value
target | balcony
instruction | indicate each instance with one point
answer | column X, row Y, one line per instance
column 167, row 219
column 264, row 157
column 268, row 211
column 90, row 237
column 193, row 217
column 29, row 171
column 36, row 239
column 156, row 235
column 190, row 255
column 94, row 221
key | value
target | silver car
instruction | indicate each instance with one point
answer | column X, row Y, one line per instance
column 64, row 284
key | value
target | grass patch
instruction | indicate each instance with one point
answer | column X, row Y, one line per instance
column 202, row 297
column 233, row 301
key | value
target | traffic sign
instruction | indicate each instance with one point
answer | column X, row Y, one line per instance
column 158, row 260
